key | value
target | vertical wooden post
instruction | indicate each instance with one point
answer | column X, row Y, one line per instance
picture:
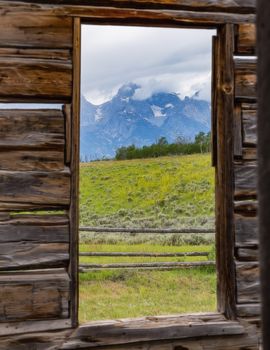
column 214, row 101
column 224, row 173
column 75, row 163
column 263, row 49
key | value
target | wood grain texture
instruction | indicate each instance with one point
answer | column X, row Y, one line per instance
column 75, row 167
column 165, row 16
column 54, row 340
column 39, row 188
column 32, row 129
column 224, row 174
column 245, row 175
column 237, row 127
column 247, row 254
column 150, row 329
column 35, row 229
column 51, row 54
column 246, row 39
column 248, row 310
column 245, row 79
column 47, row 340
column 26, row 255
column 10, row 329
column 34, row 295
column 246, row 206
column 246, row 230
column 34, row 241
column 31, row 159
column 248, row 283
column 249, row 153
column 4, row 216
column 249, row 127
column 35, row 80
column 214, row 97
column 68, row 115
column 32, row 28
column 231, row 6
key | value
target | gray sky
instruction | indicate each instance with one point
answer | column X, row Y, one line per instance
column 158, row 59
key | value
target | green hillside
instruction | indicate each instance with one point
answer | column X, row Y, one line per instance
column 161, row 192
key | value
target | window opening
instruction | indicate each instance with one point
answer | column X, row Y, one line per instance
column 146, row 181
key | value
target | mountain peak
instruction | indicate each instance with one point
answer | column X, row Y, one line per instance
column 127, row 90
column 124, row 120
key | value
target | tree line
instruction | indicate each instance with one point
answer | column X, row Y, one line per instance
column 201, row 144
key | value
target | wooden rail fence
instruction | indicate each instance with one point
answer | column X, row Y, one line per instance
column 145, row 230
column 149, row 265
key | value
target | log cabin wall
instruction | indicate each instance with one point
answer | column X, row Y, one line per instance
column 245, row 175
column 39, row 62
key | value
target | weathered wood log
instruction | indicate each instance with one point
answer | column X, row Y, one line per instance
column 245, row 175
column 145, row 230
column 34, row 295
column 246, row 39
column 24, row 79
column 42, row 188
column 33, row 28
column 149, row 329
column 249, row 127
column 40, row 53
column 4, row 216
column 246, row 206
column 248, row 310
column 32, row 129
column 245, row 79
column 230, row 6
column 159, row 265
column 48, row 340
column 156, row 17
column 142, row 254
column 22, row 255
column 31, row 159
column 35, row 229
column 246, row 230
column 29, row 241
column 248, row 284
column 68, row 116
column 10, row 329
column 54, row 340
column 237, row 127
column 249, row 153
column 75, row 169
column 247, row 254
column 224, row 173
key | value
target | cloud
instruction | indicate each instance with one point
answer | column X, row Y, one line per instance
column 173, row 60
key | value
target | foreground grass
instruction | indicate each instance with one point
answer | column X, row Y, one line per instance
column 111, row 294
column 122, row 294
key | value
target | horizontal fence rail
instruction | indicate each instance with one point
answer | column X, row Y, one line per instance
column 83, row 267
column 137, row 254
column 157, row 266
column 145, row 230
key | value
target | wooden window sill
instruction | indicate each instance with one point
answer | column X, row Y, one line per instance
column 125, row 331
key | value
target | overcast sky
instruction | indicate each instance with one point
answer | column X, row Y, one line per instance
column 158, row 59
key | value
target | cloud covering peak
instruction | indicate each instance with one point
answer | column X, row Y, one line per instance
column 155, row 59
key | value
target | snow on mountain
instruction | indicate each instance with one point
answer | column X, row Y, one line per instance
column 123, row 121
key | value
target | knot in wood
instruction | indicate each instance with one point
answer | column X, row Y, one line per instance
column 227, row 88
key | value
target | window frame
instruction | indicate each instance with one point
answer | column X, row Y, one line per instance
column 222, row 121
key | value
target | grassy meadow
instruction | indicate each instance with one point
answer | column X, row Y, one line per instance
column 162, row 192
